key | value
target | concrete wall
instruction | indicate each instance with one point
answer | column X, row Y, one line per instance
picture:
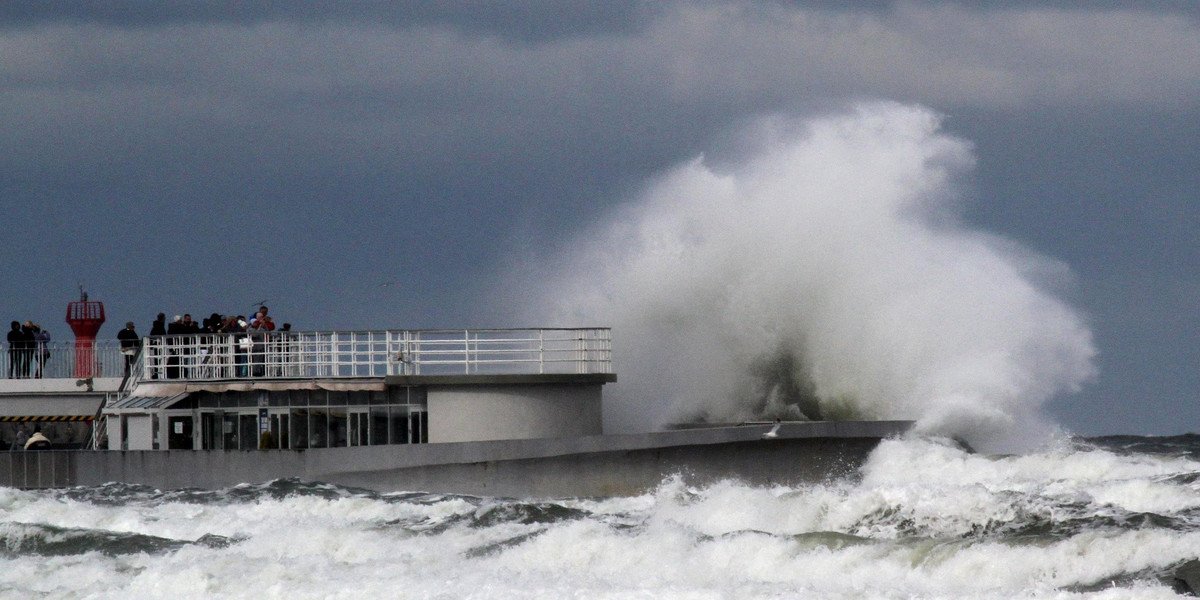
column 59, row 385
column 606, row 465
column 53, row 397
column 31, row 470
column 631, row 472
column 513, row 412
column 51, row 405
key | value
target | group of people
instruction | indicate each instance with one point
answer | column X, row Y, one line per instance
column 24, row 441
column 217, row 323
column 28, row 350
column 182, row 325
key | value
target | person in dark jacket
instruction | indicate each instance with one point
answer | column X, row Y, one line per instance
column 159, row 327
column 28, row 344
column 130, row 344
column 15, row 345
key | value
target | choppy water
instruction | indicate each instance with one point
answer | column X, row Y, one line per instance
column 1099, row 518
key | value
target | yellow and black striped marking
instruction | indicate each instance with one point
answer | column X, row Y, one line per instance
column 40, row 418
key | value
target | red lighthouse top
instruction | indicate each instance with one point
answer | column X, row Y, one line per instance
column 84, row 317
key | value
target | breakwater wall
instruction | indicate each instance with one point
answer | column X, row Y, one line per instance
column 602, row 465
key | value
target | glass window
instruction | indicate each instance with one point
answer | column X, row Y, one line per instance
column 359, row 428
column 399, row 425
column 229, row 431
column 209, row 429
column 179, row 432
column 418, row 427
column 280, row 430
column 379, row 425
column 318, row 427
column 338, row 429
column 299, row 431
column 249, row 431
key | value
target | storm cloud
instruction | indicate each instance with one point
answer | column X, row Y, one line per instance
column 202, row 158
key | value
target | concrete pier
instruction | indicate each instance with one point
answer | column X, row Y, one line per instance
column 601, row 465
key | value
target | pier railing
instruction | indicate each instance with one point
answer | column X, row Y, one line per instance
column 348, row 354
column 61, row 360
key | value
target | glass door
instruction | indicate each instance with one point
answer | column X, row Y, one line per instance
column 210, row 431
column 280, row 420
column 248, row 431
column 179, row 433
column 360, row 426
column 229, row 431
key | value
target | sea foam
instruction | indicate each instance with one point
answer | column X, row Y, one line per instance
column 924, row 519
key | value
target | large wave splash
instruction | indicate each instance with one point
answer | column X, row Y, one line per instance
column 823, row 273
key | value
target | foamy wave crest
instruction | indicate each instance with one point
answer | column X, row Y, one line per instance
column 925, row 519
column 824, row 273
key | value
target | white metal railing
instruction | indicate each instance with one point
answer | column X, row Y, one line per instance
column 342, row 354
column 61, row 360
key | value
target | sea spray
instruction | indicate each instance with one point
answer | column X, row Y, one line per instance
column 821, row 271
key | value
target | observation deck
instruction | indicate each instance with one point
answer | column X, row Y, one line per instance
column 322, row 389
column 287, row 355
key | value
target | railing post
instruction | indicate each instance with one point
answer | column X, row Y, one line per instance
column 541, row 351
column 414, row 351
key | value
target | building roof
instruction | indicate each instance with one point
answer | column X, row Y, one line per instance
column 144, row 402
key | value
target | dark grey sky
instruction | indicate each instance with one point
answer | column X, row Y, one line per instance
column 360, row 165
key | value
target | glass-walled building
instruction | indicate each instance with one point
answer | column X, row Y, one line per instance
column 286, row 419
column 316, row 390
column 343, row 389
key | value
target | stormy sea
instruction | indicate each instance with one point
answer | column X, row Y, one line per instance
column 1110, row 517
column 822, row 269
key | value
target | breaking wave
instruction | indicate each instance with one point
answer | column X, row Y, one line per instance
column 820, row 271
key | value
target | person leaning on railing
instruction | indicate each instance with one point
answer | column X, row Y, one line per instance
column 260, row 325
column 240, row 344
column 131, row 342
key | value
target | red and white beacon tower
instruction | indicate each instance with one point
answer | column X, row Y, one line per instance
column 85, row 319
